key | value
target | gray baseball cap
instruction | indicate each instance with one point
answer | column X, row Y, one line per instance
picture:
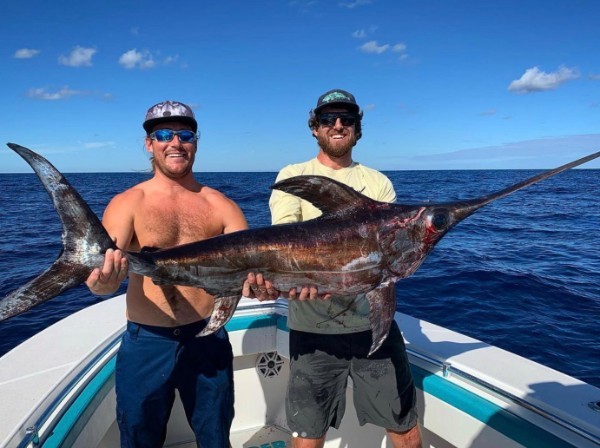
column 170, row 111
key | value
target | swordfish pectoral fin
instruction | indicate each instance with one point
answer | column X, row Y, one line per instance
column 222, row 312
column 382, row 306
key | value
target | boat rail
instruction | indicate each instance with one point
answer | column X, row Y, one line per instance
column 73, row 400
column 448, row 370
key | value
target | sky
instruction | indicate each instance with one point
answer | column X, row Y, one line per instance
column 444, row 84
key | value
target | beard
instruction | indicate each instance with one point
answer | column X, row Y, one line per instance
column 336, row 149
column 160, row 165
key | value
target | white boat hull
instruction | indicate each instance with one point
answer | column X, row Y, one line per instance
column 57, row 389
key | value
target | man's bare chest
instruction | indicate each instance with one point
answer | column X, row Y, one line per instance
column 167, row 225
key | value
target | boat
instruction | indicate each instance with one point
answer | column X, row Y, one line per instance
column 57, row 389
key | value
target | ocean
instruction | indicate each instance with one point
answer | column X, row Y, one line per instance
column 522, row 273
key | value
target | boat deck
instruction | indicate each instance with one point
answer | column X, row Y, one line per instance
column 265, row 436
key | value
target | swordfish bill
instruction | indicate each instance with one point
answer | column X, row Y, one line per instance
column 357, row 246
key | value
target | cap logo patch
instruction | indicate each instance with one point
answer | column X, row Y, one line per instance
column 335, row 96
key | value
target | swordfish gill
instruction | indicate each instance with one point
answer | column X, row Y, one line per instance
column 357, row 246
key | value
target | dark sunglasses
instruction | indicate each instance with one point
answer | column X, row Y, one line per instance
column 329, row 119
column 166, row 135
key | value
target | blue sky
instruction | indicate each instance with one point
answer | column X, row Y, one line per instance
column 444, row 84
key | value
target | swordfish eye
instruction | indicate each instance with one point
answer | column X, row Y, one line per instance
column 439, row 219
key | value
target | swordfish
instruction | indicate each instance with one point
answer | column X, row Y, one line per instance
column 357, row 246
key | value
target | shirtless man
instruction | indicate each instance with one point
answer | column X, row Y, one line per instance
column 159, row 351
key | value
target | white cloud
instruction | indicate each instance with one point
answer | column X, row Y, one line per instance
column 400, row 48
column 25, row 53
column 171, row 60
column 355, row 3
column 135, row 59
column 535, row 80
column 359, row 34
column 594, row 77
column 79, row 57
column 43, row 94
column 373, row 47
column 363, row 33
column 303, row 4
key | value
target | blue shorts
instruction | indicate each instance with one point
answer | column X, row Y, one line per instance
column 320, row 364
column 154, row 361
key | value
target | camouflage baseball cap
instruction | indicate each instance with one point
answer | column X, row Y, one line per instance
column 337, row 97
column 169, row 111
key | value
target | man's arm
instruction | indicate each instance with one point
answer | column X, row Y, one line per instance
column 118, row 222
column 233, row 217
column 388, row 194
column 285, row 207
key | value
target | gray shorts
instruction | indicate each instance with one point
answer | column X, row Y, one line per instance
column 384, row 392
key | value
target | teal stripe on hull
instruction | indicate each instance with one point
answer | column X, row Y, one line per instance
column 248, row 322
column 492, row 415
column 72, row 421
column 78, row 413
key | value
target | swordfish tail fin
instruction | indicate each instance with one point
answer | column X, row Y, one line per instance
column 57, row 278
column 83, row 237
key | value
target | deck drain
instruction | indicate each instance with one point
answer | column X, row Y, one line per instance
column 269, row 364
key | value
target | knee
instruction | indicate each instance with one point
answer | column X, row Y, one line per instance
column 407, row 439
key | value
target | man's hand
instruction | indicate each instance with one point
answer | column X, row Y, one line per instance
column 108, row 279
column 306, row 293
column 256, row 287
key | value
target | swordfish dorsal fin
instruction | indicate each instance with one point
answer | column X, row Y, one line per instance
column 328, row 195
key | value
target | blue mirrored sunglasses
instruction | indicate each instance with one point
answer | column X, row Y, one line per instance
column 166, row 135
column 329, row 119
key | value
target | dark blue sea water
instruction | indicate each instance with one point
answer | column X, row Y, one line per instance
column 522, row 273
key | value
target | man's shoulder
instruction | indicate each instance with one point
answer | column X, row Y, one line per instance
column 132, row 194
column 212, row 194
column 378, row 184
column 370, row 171
column 296, row 169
